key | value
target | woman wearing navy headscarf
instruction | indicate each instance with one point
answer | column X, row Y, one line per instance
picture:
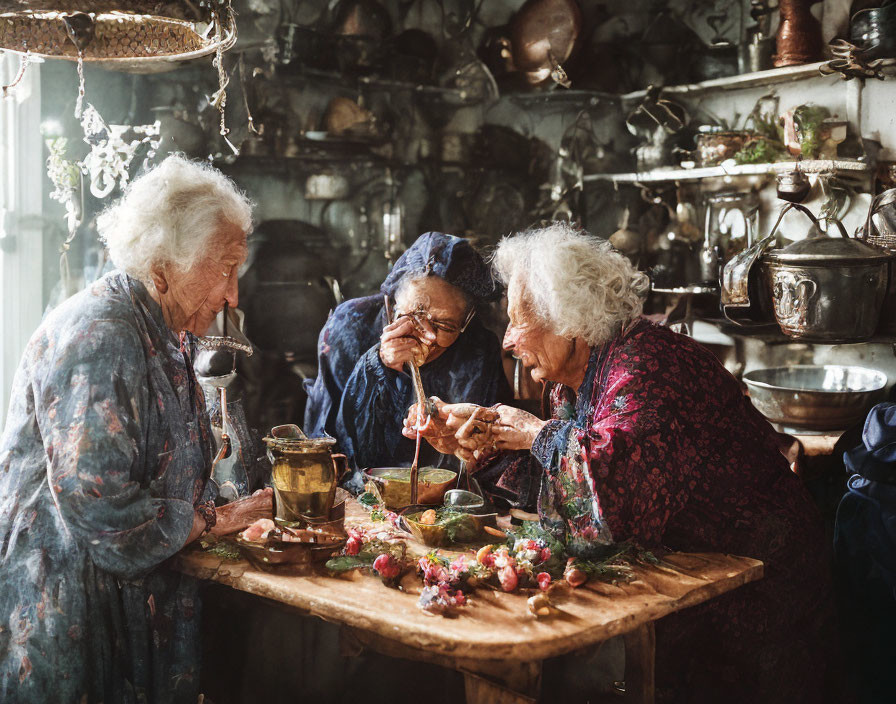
column 363, row 390
column 865, row 558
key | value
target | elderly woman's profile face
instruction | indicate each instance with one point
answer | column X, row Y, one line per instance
column 549, row 357
column 192, row 299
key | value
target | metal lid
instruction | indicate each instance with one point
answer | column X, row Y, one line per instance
column 829, row 250
column 290, row 438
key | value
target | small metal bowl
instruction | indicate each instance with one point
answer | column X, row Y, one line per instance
column 815, row 398
column 276, row 552
column 436, row 536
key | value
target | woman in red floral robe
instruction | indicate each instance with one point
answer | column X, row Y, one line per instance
column 659, row 446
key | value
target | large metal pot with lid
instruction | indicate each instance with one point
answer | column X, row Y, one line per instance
column 827, row 289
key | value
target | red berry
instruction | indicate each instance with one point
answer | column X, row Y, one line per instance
column 387, row 566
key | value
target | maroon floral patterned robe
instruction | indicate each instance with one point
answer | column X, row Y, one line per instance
column 661, row 447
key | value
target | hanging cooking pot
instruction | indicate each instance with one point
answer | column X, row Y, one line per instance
column 827, row 289
column 140, row 35
column 793, row 186
column 745, row 300
column 873, row 30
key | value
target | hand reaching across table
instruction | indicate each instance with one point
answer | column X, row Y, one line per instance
column 470, row 432
column 442, row 428
column 503, row 428
column 238, row 514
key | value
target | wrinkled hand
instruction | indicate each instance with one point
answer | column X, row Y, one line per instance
column 450, row 418
column 436, row 431
column 235, row 516
column 499, row 428
column 516, row 429
column 406, row 340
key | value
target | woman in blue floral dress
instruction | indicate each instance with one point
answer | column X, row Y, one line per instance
column 105, row 458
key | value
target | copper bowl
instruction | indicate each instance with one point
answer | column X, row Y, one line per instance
column 395, row 487
column 317, row 546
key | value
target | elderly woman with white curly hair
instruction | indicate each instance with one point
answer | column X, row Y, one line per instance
column 651, row 440
column 105, row 459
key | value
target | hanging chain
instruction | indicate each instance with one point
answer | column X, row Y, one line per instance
column 25, row 60
column 219, row 99
column 79, row 103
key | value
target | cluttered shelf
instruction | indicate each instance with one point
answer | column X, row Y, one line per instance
column 372, row 82
column 756, row 79
column 842, row 167
column 743, row 81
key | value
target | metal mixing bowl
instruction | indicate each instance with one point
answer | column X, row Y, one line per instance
column 807, row 397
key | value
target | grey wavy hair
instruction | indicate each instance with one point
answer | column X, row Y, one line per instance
column 579, row 285
column 169, row 215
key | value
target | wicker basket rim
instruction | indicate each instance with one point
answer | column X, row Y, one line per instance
column 225, row 43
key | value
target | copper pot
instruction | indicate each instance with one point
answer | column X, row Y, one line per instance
column 544, row 34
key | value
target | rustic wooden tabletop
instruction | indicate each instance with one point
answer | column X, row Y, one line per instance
column 494, row 640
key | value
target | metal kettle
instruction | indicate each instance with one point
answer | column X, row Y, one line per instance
column 745, row 300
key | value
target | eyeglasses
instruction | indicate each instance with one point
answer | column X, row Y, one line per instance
column 443, row 329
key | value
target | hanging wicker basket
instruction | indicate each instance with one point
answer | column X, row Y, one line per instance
column 104, row 33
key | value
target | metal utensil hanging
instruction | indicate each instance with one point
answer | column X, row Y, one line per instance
column 236, row 342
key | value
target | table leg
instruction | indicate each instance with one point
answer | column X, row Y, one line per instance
column 485, row 681
column 640, row 660
column 502, row 682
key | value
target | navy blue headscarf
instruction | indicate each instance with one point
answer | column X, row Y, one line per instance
column 450, row 258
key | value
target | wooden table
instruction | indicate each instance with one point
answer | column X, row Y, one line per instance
column 494, row 641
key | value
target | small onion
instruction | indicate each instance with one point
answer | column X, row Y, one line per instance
column 539, row 605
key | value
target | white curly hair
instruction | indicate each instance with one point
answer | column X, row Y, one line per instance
column 168, row 216
column 579, row 285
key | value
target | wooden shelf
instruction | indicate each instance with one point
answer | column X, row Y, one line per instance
column 813, row 166
column 743, row 81
column 300, row 75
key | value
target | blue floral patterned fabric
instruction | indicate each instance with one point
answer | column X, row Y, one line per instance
column 106, row 449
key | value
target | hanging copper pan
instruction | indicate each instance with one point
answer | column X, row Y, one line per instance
column 543, row 35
